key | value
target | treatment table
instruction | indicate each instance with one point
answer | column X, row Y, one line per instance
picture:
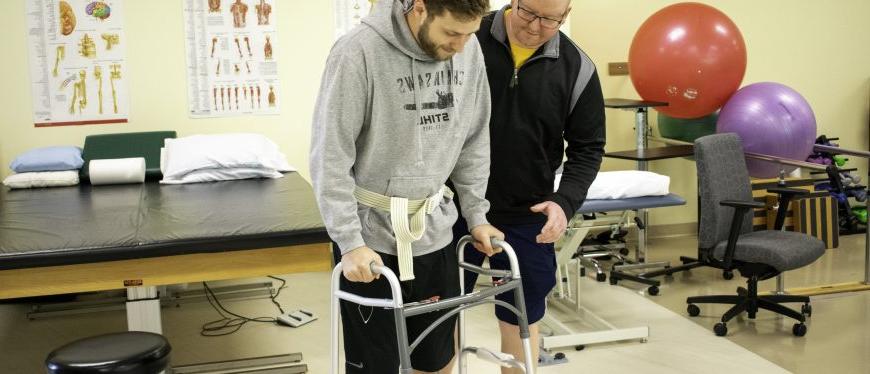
column 567, row 294
column 140, row 236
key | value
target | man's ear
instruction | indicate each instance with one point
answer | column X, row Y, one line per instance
column 419, row 7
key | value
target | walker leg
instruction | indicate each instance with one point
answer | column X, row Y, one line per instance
column 334, row 317
column 402, row 340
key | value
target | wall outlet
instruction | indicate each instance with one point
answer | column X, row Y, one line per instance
column 617, row 68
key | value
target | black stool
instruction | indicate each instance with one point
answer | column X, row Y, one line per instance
column 131, row 352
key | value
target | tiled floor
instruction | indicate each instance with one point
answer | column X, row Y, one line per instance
column 837, row 340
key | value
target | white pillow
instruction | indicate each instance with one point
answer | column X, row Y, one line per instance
column 627, row 184
column 198, row 152
column 214, row 175
column 43, row 179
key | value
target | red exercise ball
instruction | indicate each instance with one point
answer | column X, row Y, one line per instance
column 691, row 56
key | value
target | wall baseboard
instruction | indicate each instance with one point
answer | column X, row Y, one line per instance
column 676, row 229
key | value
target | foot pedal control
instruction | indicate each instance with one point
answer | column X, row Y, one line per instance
column 296, row 318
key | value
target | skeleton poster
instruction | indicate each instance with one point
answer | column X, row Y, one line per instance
column 77, row 62
column 231, row 64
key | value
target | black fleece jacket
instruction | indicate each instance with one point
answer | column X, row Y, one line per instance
column 554, row 98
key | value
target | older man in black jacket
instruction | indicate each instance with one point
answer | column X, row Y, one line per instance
column 545, row 93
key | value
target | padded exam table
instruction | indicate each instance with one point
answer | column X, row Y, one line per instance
column 140, row 236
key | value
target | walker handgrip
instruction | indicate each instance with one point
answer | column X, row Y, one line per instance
column 395, row 287
column 496, row 242
column 378, row 269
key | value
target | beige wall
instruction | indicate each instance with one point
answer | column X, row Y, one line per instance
column 818, row 48
column 158, row 83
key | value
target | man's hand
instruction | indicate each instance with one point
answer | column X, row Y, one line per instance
column 356, row 265
column 556, row 222
column 482, row 235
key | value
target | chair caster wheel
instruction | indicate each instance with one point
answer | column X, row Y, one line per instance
column 807, row 310
column 729, row 275
column 799, row 329
column 623, row 251
column 613, row 280
column 576, row 348
column 693, row 310
column 601, row 277
column 720, row 329
column 559, row 356
column 652, row 290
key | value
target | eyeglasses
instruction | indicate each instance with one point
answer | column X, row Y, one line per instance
column 529, row 16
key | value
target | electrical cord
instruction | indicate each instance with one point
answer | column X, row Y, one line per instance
column 231, row 322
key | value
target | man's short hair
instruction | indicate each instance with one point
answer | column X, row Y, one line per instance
column 463, row 10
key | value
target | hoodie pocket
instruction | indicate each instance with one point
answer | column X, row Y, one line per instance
column 412, row 187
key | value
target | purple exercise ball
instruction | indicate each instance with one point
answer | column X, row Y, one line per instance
column 770, row 119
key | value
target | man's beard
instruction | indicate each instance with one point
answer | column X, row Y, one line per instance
column 426, row 43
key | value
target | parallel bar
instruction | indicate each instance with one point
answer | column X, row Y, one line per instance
column 842, row 151
column 829, row 289
column 753, row 155
column 285, row 361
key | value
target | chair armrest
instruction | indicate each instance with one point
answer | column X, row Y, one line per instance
column 742, row 204
column 786, row 195
column 740, row 209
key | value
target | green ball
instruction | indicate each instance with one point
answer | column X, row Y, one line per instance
column 687, row 130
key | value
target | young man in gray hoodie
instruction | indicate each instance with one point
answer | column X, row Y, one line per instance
column 404, row 106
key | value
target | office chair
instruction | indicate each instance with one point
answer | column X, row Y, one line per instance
column 725, row 230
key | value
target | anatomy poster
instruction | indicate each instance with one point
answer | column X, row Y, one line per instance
column 77, row 65
column 349, row 13
column 231, row 65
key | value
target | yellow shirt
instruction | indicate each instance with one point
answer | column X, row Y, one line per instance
column 519, row 53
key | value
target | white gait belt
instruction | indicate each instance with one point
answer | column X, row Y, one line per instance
column 407, row 230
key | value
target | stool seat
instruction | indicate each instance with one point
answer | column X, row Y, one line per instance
column 131, row 352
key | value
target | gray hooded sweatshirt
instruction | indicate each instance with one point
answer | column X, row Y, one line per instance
column 393, row 120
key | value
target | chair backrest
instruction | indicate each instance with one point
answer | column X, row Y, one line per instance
column 722, row 175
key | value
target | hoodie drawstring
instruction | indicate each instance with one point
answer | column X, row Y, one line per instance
column 418, row 105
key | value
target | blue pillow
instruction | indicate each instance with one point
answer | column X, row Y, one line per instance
column 48, row 159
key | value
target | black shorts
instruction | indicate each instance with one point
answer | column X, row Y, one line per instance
column 370, row 333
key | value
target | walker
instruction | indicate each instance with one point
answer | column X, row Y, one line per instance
column 510, row 281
